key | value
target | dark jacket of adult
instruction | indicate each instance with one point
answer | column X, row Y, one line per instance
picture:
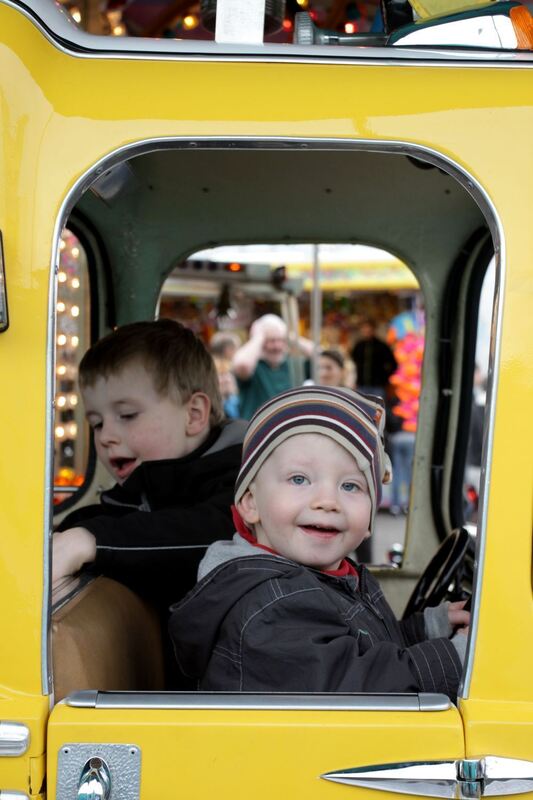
column 374, row 361
column 263, row 623
column 152, row 531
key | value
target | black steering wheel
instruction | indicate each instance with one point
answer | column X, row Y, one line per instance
column 448, row 576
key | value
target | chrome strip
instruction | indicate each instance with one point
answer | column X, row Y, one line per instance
column 276, row 701
column 60, row 31
column 278, row 143
column 14, row 739
column 426, row 779
column 486, row 467
column 488, row 776
column 48, row 511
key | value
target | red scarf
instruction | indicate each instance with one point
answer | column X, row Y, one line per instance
column 345, row 568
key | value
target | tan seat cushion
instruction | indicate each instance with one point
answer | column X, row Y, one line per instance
column 105, row 637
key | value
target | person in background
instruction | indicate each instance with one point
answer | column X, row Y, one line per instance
column 401, row 439
column 331, row 368
column 374, row 361
column 224, row 344
column 281, row 608
column 228, row 388
column 263, row 366
column 406, row 336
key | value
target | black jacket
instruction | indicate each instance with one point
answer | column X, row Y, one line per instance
column 263, row 623
column 374, row 361
column 152, row 531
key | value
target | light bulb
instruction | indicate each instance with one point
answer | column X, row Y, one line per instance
column 190, row 21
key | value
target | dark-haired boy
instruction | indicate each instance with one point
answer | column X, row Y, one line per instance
column 151, row 397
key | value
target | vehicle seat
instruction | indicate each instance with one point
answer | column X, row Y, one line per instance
column 104, row 637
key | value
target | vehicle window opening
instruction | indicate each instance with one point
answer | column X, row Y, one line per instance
column 387, row 24
column 201, row 290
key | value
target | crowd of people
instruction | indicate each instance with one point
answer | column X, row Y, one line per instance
column 242, row 534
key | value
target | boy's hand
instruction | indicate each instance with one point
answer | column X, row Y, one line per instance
column 71, row 549
column 458, row 617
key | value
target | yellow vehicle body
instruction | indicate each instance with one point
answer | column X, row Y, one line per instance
column 65, row 113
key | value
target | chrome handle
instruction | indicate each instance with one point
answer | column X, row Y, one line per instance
column 95, row 780
column 14, row 738
column 463, row 779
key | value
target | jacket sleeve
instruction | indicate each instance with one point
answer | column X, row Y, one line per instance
column 315, row 651
column 147, row 539
column 413, row 629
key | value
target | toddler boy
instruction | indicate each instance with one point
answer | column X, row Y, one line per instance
column 151, row 397
column 280, row 607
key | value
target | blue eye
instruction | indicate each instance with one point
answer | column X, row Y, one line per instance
column 298, row 480
column 350, row 486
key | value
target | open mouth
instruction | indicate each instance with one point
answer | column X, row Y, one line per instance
column 321, row 531
column 123, row 466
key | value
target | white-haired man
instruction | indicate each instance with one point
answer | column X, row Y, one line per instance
column 263, row 366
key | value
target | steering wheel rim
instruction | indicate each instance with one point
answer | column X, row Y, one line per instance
column 444, row 574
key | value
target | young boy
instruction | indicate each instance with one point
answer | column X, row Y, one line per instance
column 281, row 608
column 151, row 397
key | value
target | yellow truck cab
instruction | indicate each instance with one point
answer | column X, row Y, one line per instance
column 134, row 154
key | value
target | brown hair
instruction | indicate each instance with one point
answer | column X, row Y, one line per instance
column 171, row 353
column 334, row 355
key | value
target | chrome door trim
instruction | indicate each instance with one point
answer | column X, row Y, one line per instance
column 464, row 779
column 269, row 701
column 56, row 25
column 14, row 739
column 451, row 167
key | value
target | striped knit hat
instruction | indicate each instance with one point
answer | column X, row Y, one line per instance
column 353, row 420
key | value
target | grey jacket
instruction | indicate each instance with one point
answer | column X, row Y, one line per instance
column 259, row 622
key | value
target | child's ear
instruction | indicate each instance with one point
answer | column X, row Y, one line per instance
column 198, row 409
column 247, row 507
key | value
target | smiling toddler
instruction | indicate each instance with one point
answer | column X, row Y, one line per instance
column 282, row 607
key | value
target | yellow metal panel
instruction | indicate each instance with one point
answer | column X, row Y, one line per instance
column 60, row 115
column 495, row 728
column 22, row 773
column 267, row 754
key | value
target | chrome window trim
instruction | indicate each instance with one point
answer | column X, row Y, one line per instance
column 64, row 34
column 467, row 181
column 271, row 701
